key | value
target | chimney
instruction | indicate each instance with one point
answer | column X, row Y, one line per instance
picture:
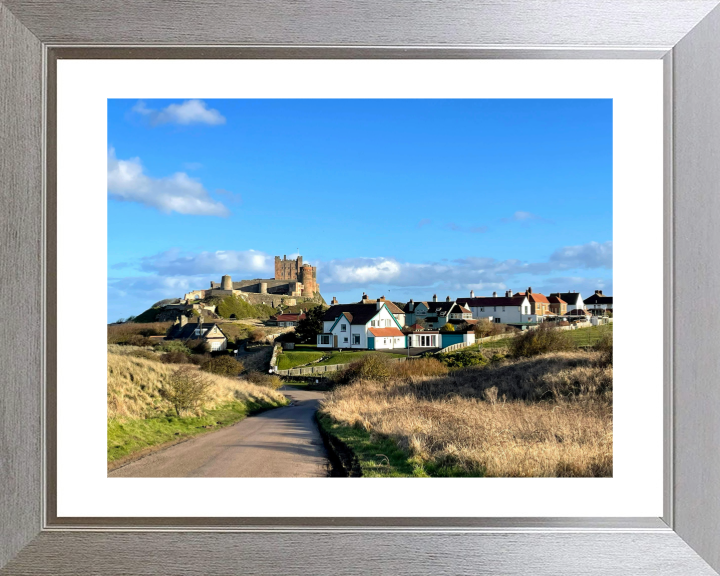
column 379, row 304
column 382, row 298
column 598, row 292
column 434, row 297
column 334, row 301
column 508, row 293
column 183, row 319
column 472, row 293
column 364, row 297
column 494, row 294
column 529, row 290
column 447, row 299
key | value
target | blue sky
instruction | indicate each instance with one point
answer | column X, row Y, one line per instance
column 402, row 198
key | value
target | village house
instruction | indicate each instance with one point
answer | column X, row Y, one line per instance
column 573, row 300
column 557, row 305
column 539, row 304
column 285, row 320
column 598, row 304
column 436, row 314
column 361, row 326
column 508, row 309
column 395, row 310
column 207, row 332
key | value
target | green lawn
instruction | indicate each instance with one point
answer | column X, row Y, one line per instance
column 381, row 457
column 125, row 438
column 306, row 353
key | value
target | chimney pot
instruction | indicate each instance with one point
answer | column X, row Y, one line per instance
column 472, row 293
column 494, row 294
column 447, row 299
column 434, row 297
column 529, row 290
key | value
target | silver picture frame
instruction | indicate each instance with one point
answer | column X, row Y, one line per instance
column 684, row 34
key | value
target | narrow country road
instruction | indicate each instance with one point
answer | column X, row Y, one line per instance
column 280, row 443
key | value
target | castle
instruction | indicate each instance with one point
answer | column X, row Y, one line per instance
column 293, row 279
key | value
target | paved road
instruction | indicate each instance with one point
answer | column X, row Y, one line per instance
column 282, row 443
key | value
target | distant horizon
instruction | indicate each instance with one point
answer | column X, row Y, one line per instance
column 401, row 198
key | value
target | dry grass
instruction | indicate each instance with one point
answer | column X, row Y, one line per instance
column 549, row 415
column 134, row 388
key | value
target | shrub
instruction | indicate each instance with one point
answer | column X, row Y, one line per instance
column 423, row 367
column 174, row 346
column 147, row 354
column 462, row 359
column 542, row 340
column 135, row 334
column 267, row 380
column 375, row 367
column 605, row 347
column 257, row 335
column 222, row 365
column 175, row 358
column 447, row 328
column 186, row 390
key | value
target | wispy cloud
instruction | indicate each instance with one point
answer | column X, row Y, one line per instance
column 526, row 218
column 127, row 181
column 473, row 229
column 424, row 222
column 245, row 263
column 590, row 255
column 189, row 112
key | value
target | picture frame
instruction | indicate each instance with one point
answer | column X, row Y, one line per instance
column 685, row 34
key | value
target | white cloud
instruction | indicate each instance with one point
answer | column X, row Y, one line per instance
column 590, row 255
column 189, row 112
column 241, row 264
column 525, row 218
column 179, row 192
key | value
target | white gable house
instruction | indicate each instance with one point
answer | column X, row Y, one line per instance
column 361, row 326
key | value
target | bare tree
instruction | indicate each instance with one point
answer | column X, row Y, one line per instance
column 187, row 389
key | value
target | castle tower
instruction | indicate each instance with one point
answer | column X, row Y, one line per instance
column 226, row 283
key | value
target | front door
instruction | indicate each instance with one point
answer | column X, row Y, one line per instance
column 335, row 341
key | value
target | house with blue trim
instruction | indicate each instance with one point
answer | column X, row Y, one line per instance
column 369, row 326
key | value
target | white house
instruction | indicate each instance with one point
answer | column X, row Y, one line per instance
column 506, row 309
column 361, row 326
column 574, row 300
column 395, row 310
column 598, row 303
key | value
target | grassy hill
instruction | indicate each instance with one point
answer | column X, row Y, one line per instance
column 139, row 417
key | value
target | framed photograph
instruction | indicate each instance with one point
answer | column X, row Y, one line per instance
column 332, row 290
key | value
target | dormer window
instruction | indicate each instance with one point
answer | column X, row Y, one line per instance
column 343, row 327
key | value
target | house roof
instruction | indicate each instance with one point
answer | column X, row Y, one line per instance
column 572, row 298
column 598, row 299
column 385, row 332
column 355, row 313
column 534, row 297
column 462, row 309
column 187, row 332
column 556, row 299
column 289, row 317
column 578, row 312
column 516, row 300
column 415, row 328
column 394, row 308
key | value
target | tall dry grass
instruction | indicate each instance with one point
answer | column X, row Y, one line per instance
column 550, row 415
column 134, row 385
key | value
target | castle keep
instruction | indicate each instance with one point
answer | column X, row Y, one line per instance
column 292, row 279
column 295, row 270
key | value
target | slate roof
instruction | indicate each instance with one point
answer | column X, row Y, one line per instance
column 187, row 332
column 578, row 312
column 385, row 332
column 482, row 301
column 571, row 298
column 394, row 308
column 356, row 313
column 288, row 317
column 597, row 299
column 555, row 299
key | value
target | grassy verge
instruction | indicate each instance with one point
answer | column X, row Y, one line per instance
column 305, row 353
column 132, row 436
column 375, row 456
column 581, row 337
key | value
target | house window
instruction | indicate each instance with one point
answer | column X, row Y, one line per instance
column 345, row 339
column 503, row 308
column 482, row 309
column 343, row 327
column 494, row 308
column 215, row 346
column 324, row 339
column 433, row 340
column 384, row 340
column 527, row 309
column 356, row 338
column 497, row 320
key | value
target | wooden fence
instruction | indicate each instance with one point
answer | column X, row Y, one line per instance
column 310, row 370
